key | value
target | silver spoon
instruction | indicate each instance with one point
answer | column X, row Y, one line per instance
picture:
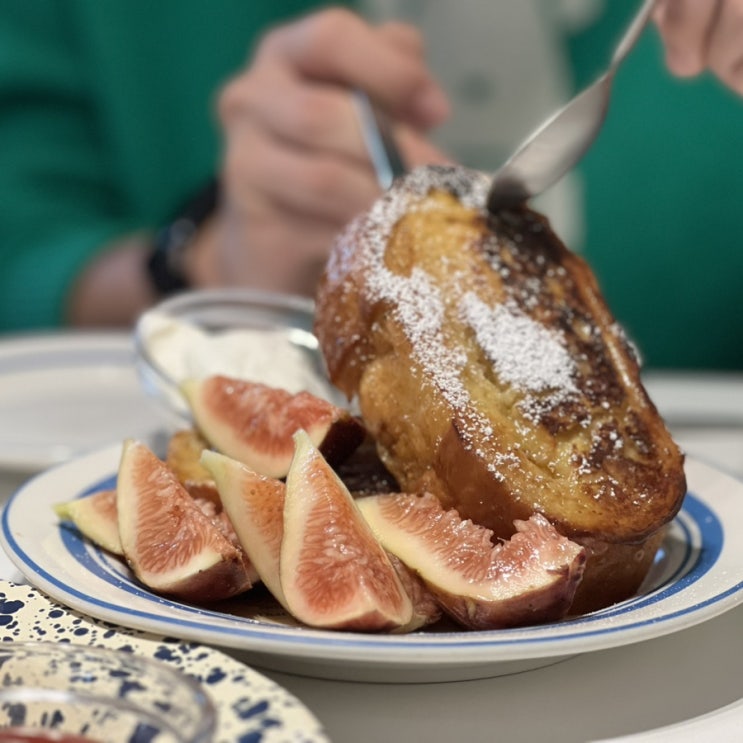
column 562, row 140
column 379, row 141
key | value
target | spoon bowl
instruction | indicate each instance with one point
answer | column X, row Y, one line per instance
column 564, row 138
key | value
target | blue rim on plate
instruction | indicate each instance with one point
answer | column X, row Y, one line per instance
column 698, row 575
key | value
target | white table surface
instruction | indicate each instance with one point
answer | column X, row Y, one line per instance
column 683, row 687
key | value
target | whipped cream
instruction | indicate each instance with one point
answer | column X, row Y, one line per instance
column 280, row 357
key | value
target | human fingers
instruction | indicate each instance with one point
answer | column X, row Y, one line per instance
column 274, row 152
column 272, row 251
column 417, row 149
column 685, row 27
column 403, row 35
column 295, row 179
column 725, row 54
column 337, row 46
column 407, row 38
column 302, row 114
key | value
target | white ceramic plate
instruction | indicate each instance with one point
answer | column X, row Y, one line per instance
column 62, row 395
column 249, row 706
column 699, row 575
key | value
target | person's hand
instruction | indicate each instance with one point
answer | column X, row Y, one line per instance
column 703, row 34
column 295, row 168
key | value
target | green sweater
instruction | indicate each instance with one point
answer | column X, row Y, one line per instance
column 106, row 125
column 663, row 188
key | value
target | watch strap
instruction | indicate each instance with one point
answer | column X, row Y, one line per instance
column 166, row 263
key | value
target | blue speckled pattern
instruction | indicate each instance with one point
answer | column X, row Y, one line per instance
column 250, row 707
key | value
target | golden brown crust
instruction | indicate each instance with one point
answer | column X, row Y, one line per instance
column 490, row 371
column 184, row 456
column 614, row 571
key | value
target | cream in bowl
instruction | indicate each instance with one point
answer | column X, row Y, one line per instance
column 240, row 333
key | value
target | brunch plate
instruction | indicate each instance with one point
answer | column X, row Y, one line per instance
column 249, row 706
column 698, row 575
column 64, row 394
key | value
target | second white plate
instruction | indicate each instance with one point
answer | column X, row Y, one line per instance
column 65, row 394
column 698, row 576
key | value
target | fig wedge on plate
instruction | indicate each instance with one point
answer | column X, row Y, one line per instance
column 96, row 519
column 254, row 423
column 334, row 573
column 532, row 578
column 170, row 544
column 255, row 506
column 426, row 609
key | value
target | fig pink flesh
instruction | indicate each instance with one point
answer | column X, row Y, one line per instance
column 333, row 571
column 531, row 578
column 254, row 423
column 170, row 544
column 255, row 506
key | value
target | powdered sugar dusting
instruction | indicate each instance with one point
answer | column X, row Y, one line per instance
column 416, row 302
column 470, row 187
column 525, row 354
column 420, row 310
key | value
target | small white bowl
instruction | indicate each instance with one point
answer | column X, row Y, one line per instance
column 61, row 691
column 246, row 334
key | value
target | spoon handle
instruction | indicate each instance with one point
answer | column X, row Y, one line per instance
column 632, row 34
column 380, row 142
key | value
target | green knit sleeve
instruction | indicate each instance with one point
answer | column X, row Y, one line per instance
column 106, row 127
column 57, row 207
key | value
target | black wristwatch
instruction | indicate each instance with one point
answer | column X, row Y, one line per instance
column 166, row 261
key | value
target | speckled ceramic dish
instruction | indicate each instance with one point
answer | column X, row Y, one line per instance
column 70, row 692
column 249, row 706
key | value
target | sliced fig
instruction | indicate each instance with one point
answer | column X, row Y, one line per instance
column 170, row 544
column 333, row 571
column 204, row 491
column 255, row 506
column 183, row 457
column 530, row 579
column 211, row 507
column 426, row 609
column 95, row 517
column 254, row 423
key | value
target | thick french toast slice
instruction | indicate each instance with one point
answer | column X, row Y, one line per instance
column 491, row 373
